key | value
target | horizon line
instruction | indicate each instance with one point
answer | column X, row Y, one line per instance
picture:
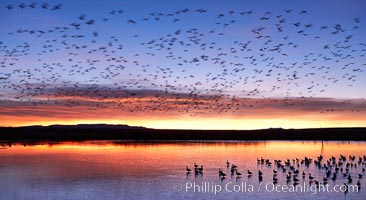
column 131, row 126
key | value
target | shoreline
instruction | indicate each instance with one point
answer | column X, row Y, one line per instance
column 126, row 133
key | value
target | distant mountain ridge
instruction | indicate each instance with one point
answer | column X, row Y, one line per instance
column 80, row 126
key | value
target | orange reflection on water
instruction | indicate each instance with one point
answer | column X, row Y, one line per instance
column 112, row 159
column 252, row 149
column 107, row 159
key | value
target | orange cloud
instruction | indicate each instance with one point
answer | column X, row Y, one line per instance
column 187, row 112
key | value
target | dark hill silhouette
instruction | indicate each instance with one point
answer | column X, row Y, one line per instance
column 124, row 132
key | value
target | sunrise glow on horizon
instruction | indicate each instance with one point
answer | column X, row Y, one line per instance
column 221, row 122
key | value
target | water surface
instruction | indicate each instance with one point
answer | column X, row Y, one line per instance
column 129, row 170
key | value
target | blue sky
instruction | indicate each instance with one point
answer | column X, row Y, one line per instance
column 167, row 51
column 320, row 13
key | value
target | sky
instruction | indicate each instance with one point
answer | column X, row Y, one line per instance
column 183, row 64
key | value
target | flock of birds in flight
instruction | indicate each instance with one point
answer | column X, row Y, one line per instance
column 201, row 69
column 294, row 171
